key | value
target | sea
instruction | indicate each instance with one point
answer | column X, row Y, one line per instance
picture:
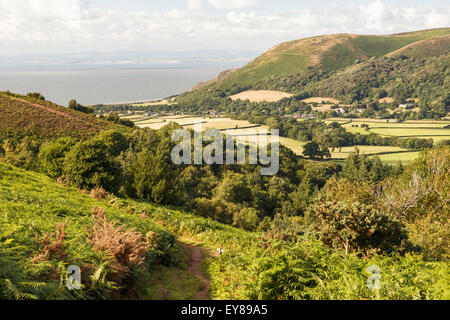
column 103, row 86
column 113, row 78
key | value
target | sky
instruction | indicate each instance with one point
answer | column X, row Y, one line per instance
column 71, row 26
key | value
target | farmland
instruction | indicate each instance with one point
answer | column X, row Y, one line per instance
column 261, row 95
column 424, row 129
column 388, row 154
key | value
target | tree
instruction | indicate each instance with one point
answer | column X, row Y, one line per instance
column 312, row 150
column 89, row 165
column 51, row 157
column 246, row 219
column 153, row 177
column 114, row 141
column 74, row 105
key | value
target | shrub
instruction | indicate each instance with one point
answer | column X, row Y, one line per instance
column 125, row 248
column 52, row 245
column 51, row 157
column 247, row 219
column 99, row 193
column 88, row 165
column 114, row 141
column 356, row 228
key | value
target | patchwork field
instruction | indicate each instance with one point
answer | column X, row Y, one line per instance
column 244, row 130
column 395, row 158
column 425, row 129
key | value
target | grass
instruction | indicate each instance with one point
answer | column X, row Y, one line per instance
column 295, row 145
column 411, row 132
column 171, row 284
column 367, row 150
column 31, row 204
column 403, row 157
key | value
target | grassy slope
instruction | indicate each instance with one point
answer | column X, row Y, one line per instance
column 31, row 202
column 331, row 52
column 21, row 116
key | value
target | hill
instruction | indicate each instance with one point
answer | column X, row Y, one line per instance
column 329, row 52
column 22, row 116
column 45, row 227
column 317, row 66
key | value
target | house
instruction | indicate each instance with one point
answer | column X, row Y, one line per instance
column 406, row 106
column 340, row 110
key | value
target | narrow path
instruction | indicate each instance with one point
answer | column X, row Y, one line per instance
column 194, row 265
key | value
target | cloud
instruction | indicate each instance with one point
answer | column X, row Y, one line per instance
column 73, row 25
column 233, row 4
column 194, row 5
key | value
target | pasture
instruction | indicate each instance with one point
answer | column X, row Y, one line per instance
column 243, row 129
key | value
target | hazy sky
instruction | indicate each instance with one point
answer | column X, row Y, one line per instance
column 63, row 26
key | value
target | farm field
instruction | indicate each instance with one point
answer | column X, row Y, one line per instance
column 261, row 96
column 403, row 157
column 156, row 103
column 245, row 129
column 411, row 132
column 322, row 99
column 367, row 150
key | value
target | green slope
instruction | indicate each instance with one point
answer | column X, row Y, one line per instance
column 327, row 53
column 30, row 205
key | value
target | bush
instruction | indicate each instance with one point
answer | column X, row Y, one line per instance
column 357, row 228
column 126, row 248
column 246, row 219
column 114, row 141
column 51, row 157
column 88, row 165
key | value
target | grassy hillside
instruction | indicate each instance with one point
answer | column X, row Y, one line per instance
column 254, row 266
column 22, row 116
column 32, row 264
column 330, row 53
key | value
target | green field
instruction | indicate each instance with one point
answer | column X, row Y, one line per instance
column 395, row 158
column 411, row 132
column 367, row 150
column 421, row 129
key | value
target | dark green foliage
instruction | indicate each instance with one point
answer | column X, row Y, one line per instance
column 114, row 141
column 357, row 228
column 35, row 95
column 359, row 167
column 78, row 107
column 114, row 117
column 52, row 155
column 312, row 150
column 89, row 165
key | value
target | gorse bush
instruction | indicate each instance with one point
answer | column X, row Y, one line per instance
column 357, row 228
